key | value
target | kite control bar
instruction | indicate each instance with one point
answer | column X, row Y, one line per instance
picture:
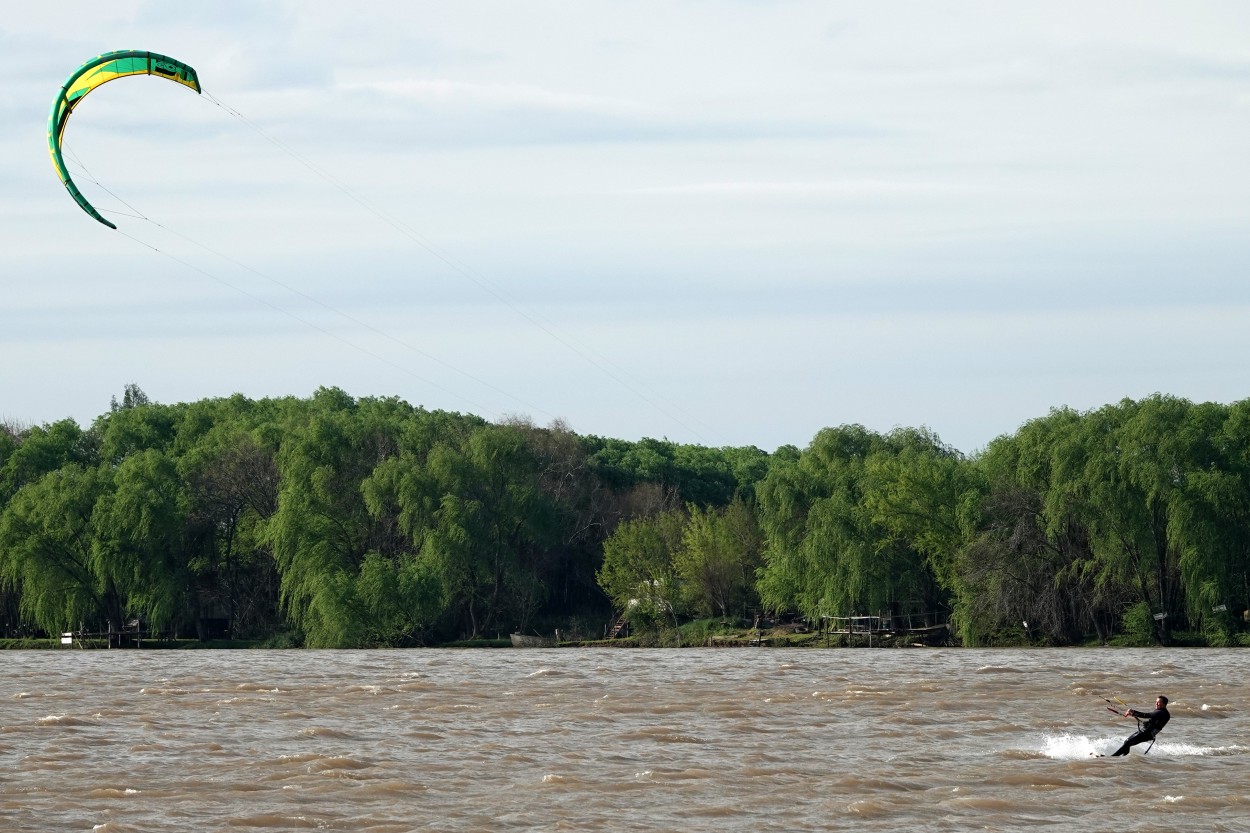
column 1119, row 713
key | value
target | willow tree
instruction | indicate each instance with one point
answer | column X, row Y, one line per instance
column 140, row 543
column 1132, row 514
column 582, row 512
column 10, row 435
column 1030, row 557
column 48, row 551
column 31, row 453
column 1126, row 466
column 232, row 490
column 138, row 426
column 925, row 496
column 489, row 531
column 638, row 573
column 719, row 554
column 322, row 529
column 1202, row 476
column 828, row 551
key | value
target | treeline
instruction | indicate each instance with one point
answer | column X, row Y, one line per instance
column 341, row 521
column 334, row 521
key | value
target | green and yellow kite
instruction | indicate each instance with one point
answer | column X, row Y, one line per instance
column 97, row 71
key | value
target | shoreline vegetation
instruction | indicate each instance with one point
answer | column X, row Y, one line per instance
column 694, row 635
column 336, row 522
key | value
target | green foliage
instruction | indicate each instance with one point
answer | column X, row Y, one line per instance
column 139, row 546
column 283, row 639
column 638, row 572
column 1029, row 557
column 136, row 428
column 703, row 476
column 322, row 529
column 398, row 599
column 47, row 550
column 31, row 454
column 1138, row 625
column 1092, row 518
column 716, row 562
column 861, row 523
column 332, row 521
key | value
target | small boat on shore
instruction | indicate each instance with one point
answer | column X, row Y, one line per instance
column 521, row 640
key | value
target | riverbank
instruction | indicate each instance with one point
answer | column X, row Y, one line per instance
column 697, row 634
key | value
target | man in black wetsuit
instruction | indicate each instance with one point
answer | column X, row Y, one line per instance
column 1155, row 721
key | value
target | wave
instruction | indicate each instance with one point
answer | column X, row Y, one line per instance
column 1189, row 749
column 258, row 687
column 366, row 689
column 338, row 764
column 63, row 720
column 853, row 783
column 1069, row 747
column 1188, row 804
column 659, row 734
column 1215, row 710
column 869, row 808
column 276, row 820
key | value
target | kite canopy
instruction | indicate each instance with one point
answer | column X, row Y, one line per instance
column 97, row 71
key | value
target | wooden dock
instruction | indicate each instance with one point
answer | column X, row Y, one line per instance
column 881, row 631
column 131, row 635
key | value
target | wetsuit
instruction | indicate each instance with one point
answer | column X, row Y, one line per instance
column 1155, row 721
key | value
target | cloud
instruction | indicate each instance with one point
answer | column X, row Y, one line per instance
column 222, row 15
column 510, row 96
column 440, row 113
column 848, row 188
column 894, row 206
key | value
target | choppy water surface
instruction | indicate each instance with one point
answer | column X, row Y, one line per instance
column 618, row 740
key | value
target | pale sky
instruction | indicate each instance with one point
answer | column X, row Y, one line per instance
column 725, row 223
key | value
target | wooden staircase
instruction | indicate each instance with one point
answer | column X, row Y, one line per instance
column 619, row 625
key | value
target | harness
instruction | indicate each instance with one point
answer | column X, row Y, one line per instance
column 1153, row 735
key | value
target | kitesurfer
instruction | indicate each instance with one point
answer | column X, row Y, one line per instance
column 1154, row 723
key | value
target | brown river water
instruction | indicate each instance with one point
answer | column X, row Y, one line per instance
column 619, row 740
